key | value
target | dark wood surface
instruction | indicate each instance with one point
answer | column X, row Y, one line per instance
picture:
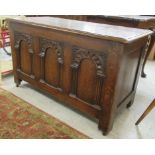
column 136, row 21
column 88, row 66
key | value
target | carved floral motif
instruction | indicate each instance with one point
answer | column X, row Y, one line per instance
column 23, row 37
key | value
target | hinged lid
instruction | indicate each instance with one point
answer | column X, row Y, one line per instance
column 103, row 31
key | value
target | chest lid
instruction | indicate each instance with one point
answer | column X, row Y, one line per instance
column 102, row 31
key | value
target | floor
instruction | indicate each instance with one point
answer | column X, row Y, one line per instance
column 123, row 128
column 5, row 62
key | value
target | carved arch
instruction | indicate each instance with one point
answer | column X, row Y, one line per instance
column 45, row 44
column 19, row 37
column 98, row 58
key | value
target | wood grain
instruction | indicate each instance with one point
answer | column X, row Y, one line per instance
column 93, row 74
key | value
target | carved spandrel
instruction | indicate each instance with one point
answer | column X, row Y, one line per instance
column 98, row 58
column 23, row 37
column 28, row 39
column 44, row 45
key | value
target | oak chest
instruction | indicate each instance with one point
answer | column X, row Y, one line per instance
column 92, row 67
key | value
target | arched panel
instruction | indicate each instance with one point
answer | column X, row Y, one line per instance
column 25, row 59
column 87, row 74
column 51, row 55
column 24, row 54
column 86, row 81
column 51, row 67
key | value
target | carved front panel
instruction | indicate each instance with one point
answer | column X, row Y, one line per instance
column 87, row 74
column 24, row 53
column 25, row 58
column 51, row 55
